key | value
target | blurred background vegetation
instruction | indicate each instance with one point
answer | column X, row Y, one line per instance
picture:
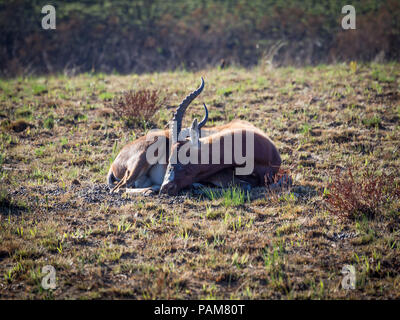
column 155, row 35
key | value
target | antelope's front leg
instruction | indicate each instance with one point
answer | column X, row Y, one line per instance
column 143, row 191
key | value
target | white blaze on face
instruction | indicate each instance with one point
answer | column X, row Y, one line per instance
column 169, row 176
column 157, row 173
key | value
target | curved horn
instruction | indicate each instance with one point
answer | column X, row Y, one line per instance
column 180, row 111
column 204, row 121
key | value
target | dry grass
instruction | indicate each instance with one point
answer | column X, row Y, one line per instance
column 55, row 208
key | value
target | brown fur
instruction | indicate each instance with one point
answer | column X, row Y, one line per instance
column 267, row 160
column 131, row 164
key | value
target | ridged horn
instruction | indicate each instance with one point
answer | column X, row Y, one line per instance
column 180, row 111
column 204, row 121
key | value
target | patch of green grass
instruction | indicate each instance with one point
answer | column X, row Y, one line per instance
column 225, row 91
column 210, row 193
column 24, row 112
column 63, row 141
column 287, row 228
column 262, row 82
column 82, row 117
column 39, row 152
column 5, row 88
column 382, row 76
column 305, row 129
column 214, row 213
column 38, row 89
column 372, row 121
column 106, row 96
column 231, row 197
column 235, row 196
column 49, row 122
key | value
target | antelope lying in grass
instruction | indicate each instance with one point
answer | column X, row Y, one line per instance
column 213, row 154
column 132, row 169
column 211, row 164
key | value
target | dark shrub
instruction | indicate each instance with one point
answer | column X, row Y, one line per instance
column 159, row 35
column 365, row 194
column 138, row 106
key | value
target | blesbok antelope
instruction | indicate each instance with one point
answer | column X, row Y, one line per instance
column 213, row 154
column 131, row 168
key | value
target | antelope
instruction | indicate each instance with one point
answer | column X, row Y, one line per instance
column 266, row 161
column 131, row 168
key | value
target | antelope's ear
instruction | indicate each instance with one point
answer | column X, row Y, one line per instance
column 184, row 134
column 194, row 133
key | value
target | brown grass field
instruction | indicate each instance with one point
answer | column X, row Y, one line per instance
column 58, row 137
